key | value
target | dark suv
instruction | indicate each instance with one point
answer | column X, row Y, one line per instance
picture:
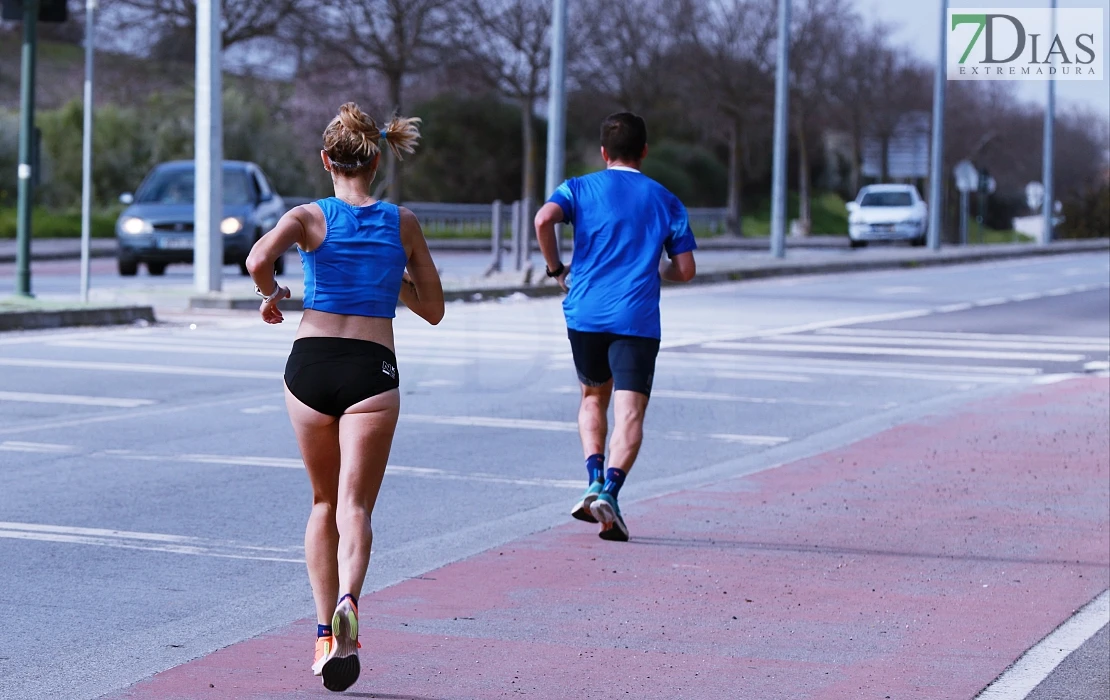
column 157, row 226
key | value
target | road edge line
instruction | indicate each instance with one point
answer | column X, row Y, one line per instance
column 1034, row 666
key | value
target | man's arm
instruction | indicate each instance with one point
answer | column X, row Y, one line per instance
column 680, row 268
column 549, row 215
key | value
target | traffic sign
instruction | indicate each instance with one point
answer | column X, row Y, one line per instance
column 1034, row 195
column 967, row 177
column 49, row 10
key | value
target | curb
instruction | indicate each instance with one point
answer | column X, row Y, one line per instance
column 63, row 318
column 774, row 269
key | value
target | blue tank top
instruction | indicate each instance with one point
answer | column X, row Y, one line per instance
column 357, row 270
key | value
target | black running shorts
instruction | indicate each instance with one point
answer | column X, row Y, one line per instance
column 626, row 359
column 330, row 375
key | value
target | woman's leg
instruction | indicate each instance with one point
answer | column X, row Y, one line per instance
column 365, row 438
column 318, row 438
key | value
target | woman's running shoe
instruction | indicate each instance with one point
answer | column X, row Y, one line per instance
column 581, row 510
column 324, row 645
column 341, row 668
column 608, row 513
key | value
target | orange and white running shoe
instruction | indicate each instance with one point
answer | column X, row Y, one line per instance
column 324, row 645
column 341, row 667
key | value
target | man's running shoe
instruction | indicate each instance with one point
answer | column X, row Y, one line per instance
column 341, row 667
column 608, row 513
column 324, row 645
column 581, row 509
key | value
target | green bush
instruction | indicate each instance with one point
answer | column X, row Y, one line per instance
column 690, row 171
column 59, row 224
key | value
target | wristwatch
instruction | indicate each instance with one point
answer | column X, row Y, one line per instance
column 557, row 271
column 273, row 295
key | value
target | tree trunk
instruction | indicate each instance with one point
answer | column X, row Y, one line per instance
column 857, row 161
column 734, row 220
column 804, row 218
column 393, row 166
column 884, row 154
column 528, row 176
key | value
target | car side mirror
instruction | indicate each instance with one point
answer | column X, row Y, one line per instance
column 265, row 197
column 127, row 198
column 852, row 207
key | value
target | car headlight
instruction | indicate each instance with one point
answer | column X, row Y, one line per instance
column 134, row 226
column 231, row 225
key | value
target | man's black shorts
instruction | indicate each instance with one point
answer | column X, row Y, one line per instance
column 626, row 359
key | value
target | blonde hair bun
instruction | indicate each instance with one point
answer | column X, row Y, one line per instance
column 352, row 139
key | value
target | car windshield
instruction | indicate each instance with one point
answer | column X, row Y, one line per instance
column 176, row 186
column 887, row 199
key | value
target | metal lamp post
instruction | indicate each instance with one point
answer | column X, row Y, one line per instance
column 782, row 106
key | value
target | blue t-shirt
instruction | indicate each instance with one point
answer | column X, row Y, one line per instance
column 623, row 221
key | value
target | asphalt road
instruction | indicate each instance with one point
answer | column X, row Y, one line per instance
column 153, row 503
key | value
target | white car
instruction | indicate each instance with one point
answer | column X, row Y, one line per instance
column 887, row 213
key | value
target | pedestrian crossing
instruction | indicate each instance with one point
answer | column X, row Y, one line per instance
column 906, row 354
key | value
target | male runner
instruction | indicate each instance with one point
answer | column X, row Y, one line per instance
column 623, row 221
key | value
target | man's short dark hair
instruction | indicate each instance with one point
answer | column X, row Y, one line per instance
column 624, row 136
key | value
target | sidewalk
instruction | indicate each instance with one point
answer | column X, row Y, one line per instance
column 919, row 563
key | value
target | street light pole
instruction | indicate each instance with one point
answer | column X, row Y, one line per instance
column 86, row 149
column 936, row 166
column 1049, row 210
column 557, row 102
column 782, row 106
column 208, row 249
column 26, row 150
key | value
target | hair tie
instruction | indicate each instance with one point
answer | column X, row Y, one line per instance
column 384, row 135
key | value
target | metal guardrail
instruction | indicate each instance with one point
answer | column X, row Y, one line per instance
column 474, row 220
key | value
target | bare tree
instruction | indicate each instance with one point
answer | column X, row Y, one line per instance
column 728, row 67
column 506, row 44
column 243, row 20
column 816, row 54
column 396, row 39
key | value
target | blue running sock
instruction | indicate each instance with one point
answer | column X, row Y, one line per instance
column 323, row 630
column 595, row 467
column 614, row 480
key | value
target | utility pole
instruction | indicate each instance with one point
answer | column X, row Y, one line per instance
column 937, row 178
column 557, row 105
column 782, row 130
column 1049, row 210
column 86, row 148
column 208, row 245
column 26, row 150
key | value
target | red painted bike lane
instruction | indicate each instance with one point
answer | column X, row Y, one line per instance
column 918, row 563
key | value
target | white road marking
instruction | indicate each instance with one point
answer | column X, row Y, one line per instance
column 571, row 427
column 802, row 328
column 150, row 541
column 1063, row 340
column 434, row 383
column 947, row 342
column 43, row 447
column 136, row 413
column 168, row 348
column 292, row 463
column 73, row 400
column 765, row 377
column 908, row 352
column 1096, row 366
column 777, row 362
column 271, row 408
column 993, row 301
column 952, row 308
column 714, row 396
column 140, row 368
column 1039, row 662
